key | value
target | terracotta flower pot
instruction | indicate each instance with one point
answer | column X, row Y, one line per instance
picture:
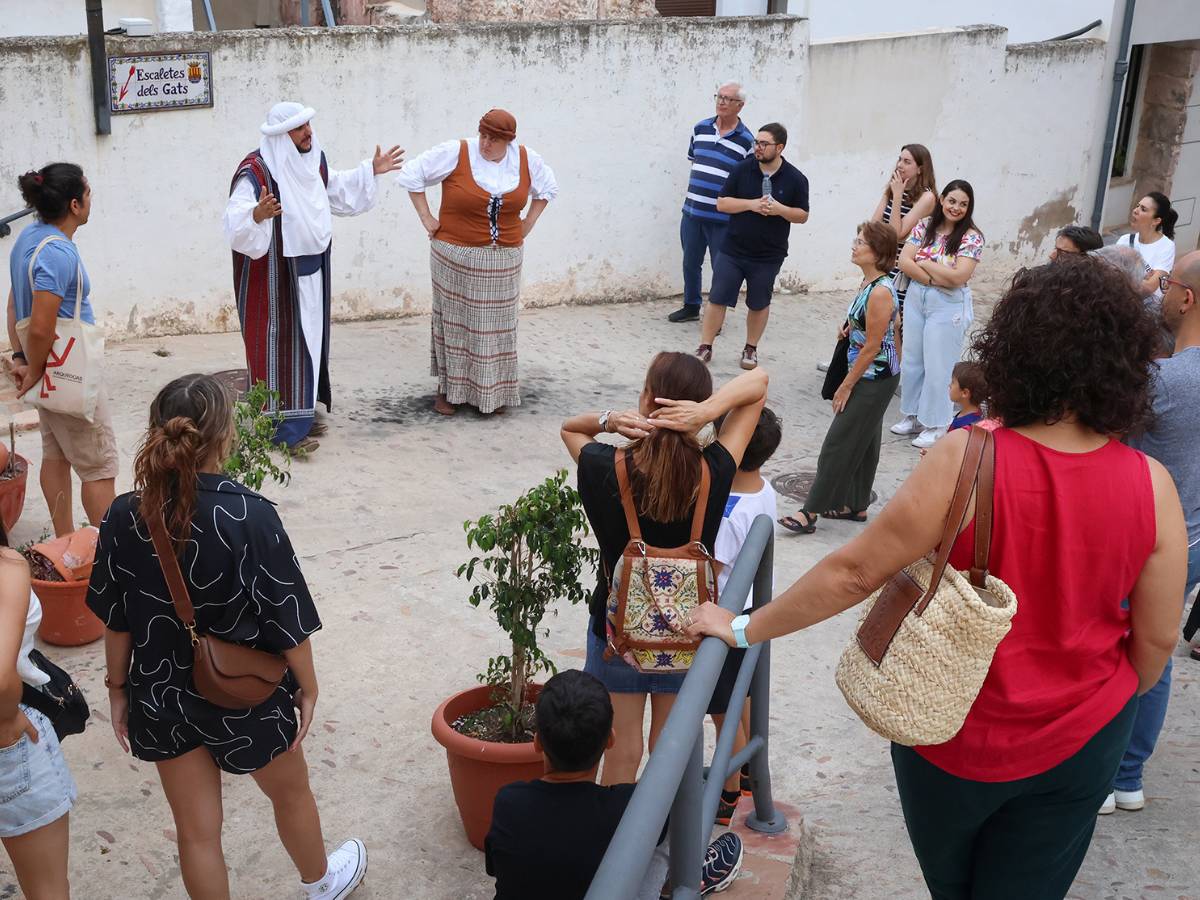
column 66, row 620
column 478, row 769
column 12, row 494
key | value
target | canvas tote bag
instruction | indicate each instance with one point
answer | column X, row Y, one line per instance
column 927, row 637
column 75, row 364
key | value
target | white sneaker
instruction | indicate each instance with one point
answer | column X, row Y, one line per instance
column 1109, row 806
column 1130, row 800
column 907, row 425
column 928, row 438
column 343, row 872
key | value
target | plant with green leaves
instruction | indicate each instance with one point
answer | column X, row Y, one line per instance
column 533, row 555
column 252, row 461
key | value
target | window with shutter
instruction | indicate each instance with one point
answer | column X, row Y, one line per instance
column 686, row 7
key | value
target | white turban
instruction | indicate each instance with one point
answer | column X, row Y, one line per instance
column 307, row 222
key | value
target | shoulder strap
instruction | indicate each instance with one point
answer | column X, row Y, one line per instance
column 170, row 569
column 968, row 474
column 624, row 454
column 701, row 502
column 48, row 239
column 984, row 490
column 1130, row 236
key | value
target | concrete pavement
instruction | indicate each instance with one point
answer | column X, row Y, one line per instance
column 376, row 517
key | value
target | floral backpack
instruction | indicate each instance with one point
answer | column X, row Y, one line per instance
column 654, row 589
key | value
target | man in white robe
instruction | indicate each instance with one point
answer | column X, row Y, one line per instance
column 278, row 222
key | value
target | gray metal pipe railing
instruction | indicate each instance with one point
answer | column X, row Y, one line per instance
column 5, row 229
column 1120, row 69
column 674, row 780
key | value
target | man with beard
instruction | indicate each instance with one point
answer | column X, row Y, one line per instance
column 279, row 224
column 765, row 196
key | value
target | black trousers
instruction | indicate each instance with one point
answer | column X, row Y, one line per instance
column 1023, row 839
column 850, row 451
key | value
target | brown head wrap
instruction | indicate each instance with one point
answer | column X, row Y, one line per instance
column 499, row 124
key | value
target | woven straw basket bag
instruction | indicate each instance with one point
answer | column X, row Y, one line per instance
column 926, row 638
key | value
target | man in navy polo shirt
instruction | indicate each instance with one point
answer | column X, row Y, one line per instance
column 765, row 197
column 718, row 144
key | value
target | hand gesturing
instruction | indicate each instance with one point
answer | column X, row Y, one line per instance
column 389, row 161
column 268, row 207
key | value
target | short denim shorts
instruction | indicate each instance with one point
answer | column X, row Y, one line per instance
column 36, row 787
column 622, row 678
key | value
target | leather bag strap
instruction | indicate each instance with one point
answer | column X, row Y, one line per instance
column 631, row 520
column 967, row 476
column 171, row 571
column 984, row 492
column 701, row 502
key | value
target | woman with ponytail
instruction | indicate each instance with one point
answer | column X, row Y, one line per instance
column 1153, row 236
column 246, row 586
column 48, row 278
column 665, row 482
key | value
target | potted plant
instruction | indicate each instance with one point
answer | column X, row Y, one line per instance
column 14, row 474
column 251, row 461
column 59, row 573
column 532, row 555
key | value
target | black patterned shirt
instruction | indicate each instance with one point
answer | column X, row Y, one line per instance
column 242, row 575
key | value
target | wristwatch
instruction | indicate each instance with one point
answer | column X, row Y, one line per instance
column 604, row 420
column 739, row 630
column 17, row 354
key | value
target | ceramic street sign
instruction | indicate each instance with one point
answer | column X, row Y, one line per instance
column 163, row 81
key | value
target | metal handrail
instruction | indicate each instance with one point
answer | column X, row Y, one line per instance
column 674, row 779
column 5, row 230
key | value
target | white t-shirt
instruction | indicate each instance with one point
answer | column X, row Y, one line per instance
column 1159, row 256
column 740, row 513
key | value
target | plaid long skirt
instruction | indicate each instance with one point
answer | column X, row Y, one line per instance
column 473, row 346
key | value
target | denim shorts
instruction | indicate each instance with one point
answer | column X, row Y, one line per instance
column 36, row 787
column 621, row 678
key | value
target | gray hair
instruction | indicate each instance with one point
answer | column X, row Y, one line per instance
column 740, row 93
column 1127, row 260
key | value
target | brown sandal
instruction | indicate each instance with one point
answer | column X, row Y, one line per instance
column 794, row 525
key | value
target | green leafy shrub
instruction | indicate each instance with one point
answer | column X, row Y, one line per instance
column 533, row 555
column 252, row 461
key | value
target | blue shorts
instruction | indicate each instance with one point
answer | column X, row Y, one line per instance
column 619, row 677
column 730, row 272
column 36, row 787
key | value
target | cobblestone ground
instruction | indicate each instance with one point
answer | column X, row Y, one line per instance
column 376, row 517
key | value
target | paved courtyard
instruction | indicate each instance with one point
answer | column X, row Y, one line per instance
column 376, row 517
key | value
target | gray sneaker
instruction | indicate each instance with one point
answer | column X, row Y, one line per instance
column 749, row 358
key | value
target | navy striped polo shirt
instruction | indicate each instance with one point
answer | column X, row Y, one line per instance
column 713, row 156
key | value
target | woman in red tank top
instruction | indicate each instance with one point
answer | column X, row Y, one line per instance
column 1082, row 522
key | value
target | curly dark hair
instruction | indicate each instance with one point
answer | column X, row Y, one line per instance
column 1069, row 339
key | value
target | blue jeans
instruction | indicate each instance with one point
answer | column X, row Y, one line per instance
column 935, row 320
column 697, row 235
column 1152, row 711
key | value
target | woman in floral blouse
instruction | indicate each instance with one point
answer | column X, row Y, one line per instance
column 940, row 258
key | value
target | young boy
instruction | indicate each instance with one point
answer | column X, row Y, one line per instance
column 750, row 496
column 549, row 836
column 968, row 391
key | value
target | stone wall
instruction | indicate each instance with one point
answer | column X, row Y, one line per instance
column 536, row 10
column 1170, row 79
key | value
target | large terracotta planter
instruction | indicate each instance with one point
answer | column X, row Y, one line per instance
column 478, row 769
column 66, row 620
column 12, row 494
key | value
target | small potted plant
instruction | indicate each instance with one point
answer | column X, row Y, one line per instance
column 533, row 554
column 60, row 570
column 14, row 474
column 251, row 462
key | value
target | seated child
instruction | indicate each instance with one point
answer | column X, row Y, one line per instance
column 548, row 836
column 750, row 496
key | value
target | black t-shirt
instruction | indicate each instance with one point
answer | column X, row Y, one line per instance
column 547, row 839
column 756, row 236
column 602, row 502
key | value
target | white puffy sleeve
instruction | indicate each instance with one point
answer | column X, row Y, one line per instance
column 245, row 236
column 352, row 191
column 430, row 168
column 541, row 177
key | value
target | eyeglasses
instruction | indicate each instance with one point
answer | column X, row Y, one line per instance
column 858, row 242
column 722, row 98
column 1165, row 281
column 766, row 143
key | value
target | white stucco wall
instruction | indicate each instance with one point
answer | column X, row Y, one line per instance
column 50, row 17
column 1014, row 122
column 609, row 106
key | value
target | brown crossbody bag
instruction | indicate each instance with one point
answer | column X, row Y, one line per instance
column 228, row 675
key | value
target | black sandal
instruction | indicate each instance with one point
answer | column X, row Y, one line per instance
column 794, row 525
column 847, row 516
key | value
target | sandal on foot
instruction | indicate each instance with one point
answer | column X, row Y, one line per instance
column 791, row 523
column 847, row 515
